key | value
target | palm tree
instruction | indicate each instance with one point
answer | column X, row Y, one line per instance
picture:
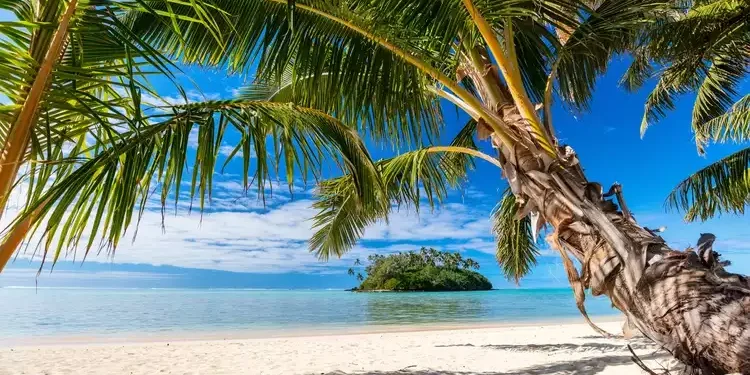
column 76, row 74
column 71, row 71
column 381, row 68
column 469, row 264
column 712, row 62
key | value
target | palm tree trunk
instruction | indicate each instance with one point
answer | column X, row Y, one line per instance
column 17, row 143
column 683, row 300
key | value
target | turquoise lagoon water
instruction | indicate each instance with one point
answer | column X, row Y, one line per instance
column 31, row 313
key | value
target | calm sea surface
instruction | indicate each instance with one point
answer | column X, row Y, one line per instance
column 41, row 312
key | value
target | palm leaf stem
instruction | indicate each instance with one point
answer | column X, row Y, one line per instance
column 547, row 104
column 17, row 234
column 479, row 61
column 496, row 124
column 467, row 151
column 510, row 47
column 506, row 65
column 17, row 142
column 455, row 101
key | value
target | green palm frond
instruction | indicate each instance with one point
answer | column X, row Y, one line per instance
column 103, row 67
column 679, row 79
column 408, row 179
column 337, row 46
column 734, row 125
column 275, row 90
column 341, row 219
column 718, row 89
column 534, row 45
column 638, row 72
column 703, row 49
column 711, row 27
column 99, row 67
column 315, row 92
column 339, row 61
column 722, row 187
column 611, row 28
column 516, row 249
column 120, row 179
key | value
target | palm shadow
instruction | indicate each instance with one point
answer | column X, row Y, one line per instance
column 584, row 366
column 546, row 348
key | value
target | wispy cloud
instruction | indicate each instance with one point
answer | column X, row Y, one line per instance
column 242, row 233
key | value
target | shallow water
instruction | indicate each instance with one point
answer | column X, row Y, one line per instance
column 31, row 312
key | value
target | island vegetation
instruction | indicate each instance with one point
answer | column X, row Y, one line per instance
column 426, row 270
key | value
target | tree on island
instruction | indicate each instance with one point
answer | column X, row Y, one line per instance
column 337, row 69
column 426, row 270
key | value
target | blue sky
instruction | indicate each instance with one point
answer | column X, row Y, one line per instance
column 242, row 243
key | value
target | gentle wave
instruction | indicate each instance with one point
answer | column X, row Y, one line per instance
column 49, row 311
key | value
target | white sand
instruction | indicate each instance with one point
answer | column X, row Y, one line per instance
column 547, row 349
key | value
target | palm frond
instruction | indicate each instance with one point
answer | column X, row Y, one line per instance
column 639, row 70
column 333, row 49
column 516, row 249
column 718, row 90
column 734, row 125
column 341, row 219
column 373, row 119
column 612, row 28
column 120, row 179
column 104, row 65
column 722, row 187
column 703, row 49
column 410, row 180
column 679, row 79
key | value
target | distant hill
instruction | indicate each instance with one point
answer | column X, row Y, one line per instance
column 426, row 270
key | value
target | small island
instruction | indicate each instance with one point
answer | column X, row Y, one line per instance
column 428, row 270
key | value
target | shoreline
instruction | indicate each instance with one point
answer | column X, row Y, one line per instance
column 532, row 348
column 150, row 337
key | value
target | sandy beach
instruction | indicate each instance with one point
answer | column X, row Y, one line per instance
column 529, row 349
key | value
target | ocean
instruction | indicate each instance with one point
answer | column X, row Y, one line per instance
column 59, row 312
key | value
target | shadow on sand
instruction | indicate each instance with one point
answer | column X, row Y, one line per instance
column 546, row 348
column 585, row 366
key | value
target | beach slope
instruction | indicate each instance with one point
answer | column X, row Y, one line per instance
column 539, row 349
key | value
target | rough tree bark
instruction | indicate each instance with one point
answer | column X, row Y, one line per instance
column 683, row 300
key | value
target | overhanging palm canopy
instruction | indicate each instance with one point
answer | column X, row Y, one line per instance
column 702, row 48
column 382, row 67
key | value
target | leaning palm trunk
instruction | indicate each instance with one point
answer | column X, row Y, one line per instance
column 682, row 300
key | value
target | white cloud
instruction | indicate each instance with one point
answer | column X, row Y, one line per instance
column 235, row 91
column 451, row 221
column 226, row 150
column 193, row 138
column 241, row 234
column 273, row 241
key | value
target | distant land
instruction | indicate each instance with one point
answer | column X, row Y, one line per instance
column 428, row 270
